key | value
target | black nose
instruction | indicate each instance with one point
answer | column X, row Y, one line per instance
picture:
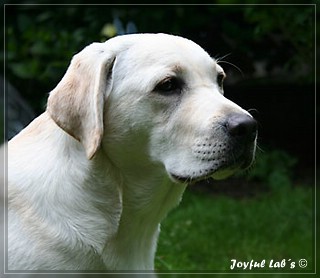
column 242, row 126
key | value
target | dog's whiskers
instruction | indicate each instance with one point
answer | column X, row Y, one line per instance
column 253, row 111
column 220, row 61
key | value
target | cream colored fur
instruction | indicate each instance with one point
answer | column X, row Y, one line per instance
column 93, row 176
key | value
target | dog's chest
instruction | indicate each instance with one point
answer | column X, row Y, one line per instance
column 134, row 245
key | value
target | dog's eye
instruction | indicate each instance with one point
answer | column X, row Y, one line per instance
column 169, row 85
column 220, row 77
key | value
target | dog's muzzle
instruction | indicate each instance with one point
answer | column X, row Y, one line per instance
column 231, row 147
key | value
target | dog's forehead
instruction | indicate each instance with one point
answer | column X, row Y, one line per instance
column 150, row 50
column 172, row 46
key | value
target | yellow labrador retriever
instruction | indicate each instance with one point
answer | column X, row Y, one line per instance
column 132, row 122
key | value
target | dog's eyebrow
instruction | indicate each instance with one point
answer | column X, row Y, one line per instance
column 176, row 68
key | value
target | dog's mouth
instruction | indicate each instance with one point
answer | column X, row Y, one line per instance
column 219, row 168
column 221, row 173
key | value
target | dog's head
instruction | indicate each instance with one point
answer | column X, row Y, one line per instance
column 154, row 99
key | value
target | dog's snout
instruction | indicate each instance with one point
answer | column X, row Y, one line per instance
column 242, row 126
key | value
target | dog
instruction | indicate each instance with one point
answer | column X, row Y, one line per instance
column 133, row 121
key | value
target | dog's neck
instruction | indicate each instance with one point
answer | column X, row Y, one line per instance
column 146, row 201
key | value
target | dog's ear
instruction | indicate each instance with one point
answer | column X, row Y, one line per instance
column 77, row 103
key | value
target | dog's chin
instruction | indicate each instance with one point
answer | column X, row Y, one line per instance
column 217, row 175
column 221, row 172
column 224, row 173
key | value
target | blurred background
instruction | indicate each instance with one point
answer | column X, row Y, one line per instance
column 268, row 53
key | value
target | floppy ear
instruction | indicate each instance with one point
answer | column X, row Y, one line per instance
column 77, row 103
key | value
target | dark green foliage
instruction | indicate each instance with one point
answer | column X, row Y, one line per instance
column 41, row 39
column 275, row 168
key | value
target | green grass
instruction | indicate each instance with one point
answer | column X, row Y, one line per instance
column 205, row 232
